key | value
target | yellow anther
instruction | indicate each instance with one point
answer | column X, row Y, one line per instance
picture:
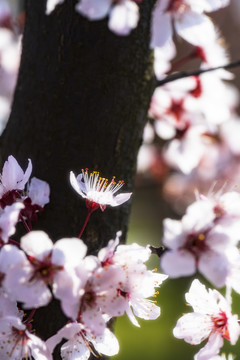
column 201, row 237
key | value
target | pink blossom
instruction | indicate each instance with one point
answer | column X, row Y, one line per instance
column 202, row 240
column 28, row 273
column 211, row 319
column 17, row 342
column 188, row 18
column 81, row 343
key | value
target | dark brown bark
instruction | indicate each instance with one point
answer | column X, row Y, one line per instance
column 81, row 101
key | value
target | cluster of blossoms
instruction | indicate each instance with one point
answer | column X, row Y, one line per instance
column 91, row 289
column 206, row 239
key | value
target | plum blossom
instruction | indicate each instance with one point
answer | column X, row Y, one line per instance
column 81, row 343
column 204, row 239
column 188, row 18
column 211, row 319
column 97, row 191
column 17, row 342
column 138, row 283
column 40, row 263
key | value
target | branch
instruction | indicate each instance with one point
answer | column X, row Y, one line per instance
column 184, row 74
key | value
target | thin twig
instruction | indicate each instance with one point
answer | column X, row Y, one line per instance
column 184, row 74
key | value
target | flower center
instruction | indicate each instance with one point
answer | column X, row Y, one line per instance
column 196, row 243
column 177, row 6
column 45, row 269
column 221, row 324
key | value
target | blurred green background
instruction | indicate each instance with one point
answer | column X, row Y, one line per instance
column 154, row 339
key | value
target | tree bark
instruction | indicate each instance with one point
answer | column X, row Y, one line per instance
column 81, row 101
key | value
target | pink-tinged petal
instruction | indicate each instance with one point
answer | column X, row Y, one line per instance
column 161, row 27
column 195, row 28
column 193, row 328
column 94, row 10
column 38, row 348
column 106, row 344
column 212, row 347
column 106, row 253
column 200, row 299
column 9, row 219
column 7, row 307
column 173, row 236
column 39, row 192
column 65, row 288
column 68, row 251
column 215, row 267
column 26, row 176
column 128, row 253
column 13, row 176
column 178, row 263
column 36, row 244
column 9, row 256
column 93, row 320
column 123, row 17
column 66, row 332
column 199, row 217
column 77, row 185
column 120, row 199
column 51, row 4
column 75, row 349
column 145, row 309
column 19, row 286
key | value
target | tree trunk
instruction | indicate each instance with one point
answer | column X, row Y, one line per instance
column 81, row 101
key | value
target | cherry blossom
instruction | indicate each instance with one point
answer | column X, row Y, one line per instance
column 17, row 342
column 211, row 319
column 81, row 343
column 137, row 284
column 97, row 191
column 202, row 240
column 189, row 20
column 29, row 272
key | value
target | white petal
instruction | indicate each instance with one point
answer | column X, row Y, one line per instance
column 51, row 4
column 39, row 192
column 145, row 309
column 68, row 251
column 193, row 328
column 36, row 244
column 75, row 184
column 161, row 27
column 200, row 299
column 123, row 17
column 212, row 347
column 106, row 344
column 195, row 28
column 121, row 198
column 94, row 10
